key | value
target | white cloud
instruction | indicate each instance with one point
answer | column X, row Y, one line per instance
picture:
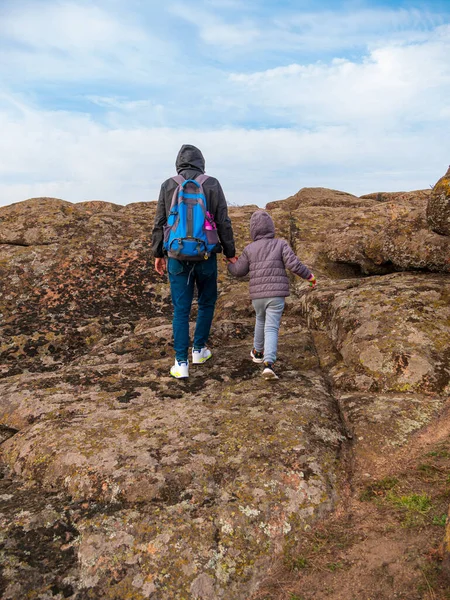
column 119, row 103
column 69, row 41
column 65, row 26
column 215, row 30
column 120, row 109
column 333, row 30
column 70, row 156
column 379, row 122
column 244, row 29
column 406, row 82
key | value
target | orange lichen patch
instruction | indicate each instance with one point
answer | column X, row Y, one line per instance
column 293, row 479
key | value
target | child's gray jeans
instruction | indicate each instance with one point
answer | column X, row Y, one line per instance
column 268, row 318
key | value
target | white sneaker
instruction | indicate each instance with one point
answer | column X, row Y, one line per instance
column 180, row 370
column 257, row 356
column 268, row 372
column 200, row 356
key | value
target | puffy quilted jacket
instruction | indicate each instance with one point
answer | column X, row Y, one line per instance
column 266, row 260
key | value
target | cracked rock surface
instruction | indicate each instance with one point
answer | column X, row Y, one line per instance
column 120, row 482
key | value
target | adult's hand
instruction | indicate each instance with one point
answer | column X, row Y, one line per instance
column 232, row 260
column 160, row 265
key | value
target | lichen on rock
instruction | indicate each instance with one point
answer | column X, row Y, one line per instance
column 168, row 489
column 438, row 209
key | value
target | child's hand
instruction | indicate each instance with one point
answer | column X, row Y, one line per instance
column 312, row 281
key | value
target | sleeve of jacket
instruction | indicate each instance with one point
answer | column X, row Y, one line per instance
column 241, row 267
column 158, row 228
column 223, row 222
column 293, row 264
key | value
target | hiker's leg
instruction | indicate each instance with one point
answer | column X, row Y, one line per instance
column 181, row 279
column 260, row 309
column 274, row 312
column 206, row 280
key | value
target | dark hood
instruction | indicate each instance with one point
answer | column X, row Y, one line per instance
column 261, row 225
column 190, row 158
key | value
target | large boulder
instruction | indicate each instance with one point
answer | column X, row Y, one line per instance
column 321, row 197
column 438, row 209
column 392, row 332
column 340, row 235
column 383, row 342
column 184, row 484
column 390, row 236
column 307, row 219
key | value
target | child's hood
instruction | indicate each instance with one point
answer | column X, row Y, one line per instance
column 261, row 225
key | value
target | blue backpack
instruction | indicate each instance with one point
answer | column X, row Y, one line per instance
column 190, row 233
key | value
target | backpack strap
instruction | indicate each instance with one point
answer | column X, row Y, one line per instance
column 202, row 178
column 178, row 180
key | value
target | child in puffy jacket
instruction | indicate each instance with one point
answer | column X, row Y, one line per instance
column 266, row 260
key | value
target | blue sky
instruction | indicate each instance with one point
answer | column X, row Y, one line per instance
column 97, row 96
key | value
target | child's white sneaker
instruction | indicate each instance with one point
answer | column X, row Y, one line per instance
column 268, row 372
column 180, row 370
column 257, row 356
column 200, row 356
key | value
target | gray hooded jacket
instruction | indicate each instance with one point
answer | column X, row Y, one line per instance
column 266, row 259
column 190, row 163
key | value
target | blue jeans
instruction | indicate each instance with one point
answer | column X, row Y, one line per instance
column 183, row 277
column 268, row 318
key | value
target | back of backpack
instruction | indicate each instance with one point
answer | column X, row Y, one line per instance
column 190, row 233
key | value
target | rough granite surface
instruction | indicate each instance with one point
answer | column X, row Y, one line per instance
column 120, row 482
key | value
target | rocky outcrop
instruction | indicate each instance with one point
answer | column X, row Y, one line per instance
column 391, row 236
column 346, row 236
column 392, row 332
column 187, row 483
column 72, row 274
column 438, row 209
column 191, row 487
column 321, row 197
column 166, row 489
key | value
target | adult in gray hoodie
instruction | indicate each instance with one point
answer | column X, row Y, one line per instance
column 190, row 163
column 185, row 276
column 266, row 260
